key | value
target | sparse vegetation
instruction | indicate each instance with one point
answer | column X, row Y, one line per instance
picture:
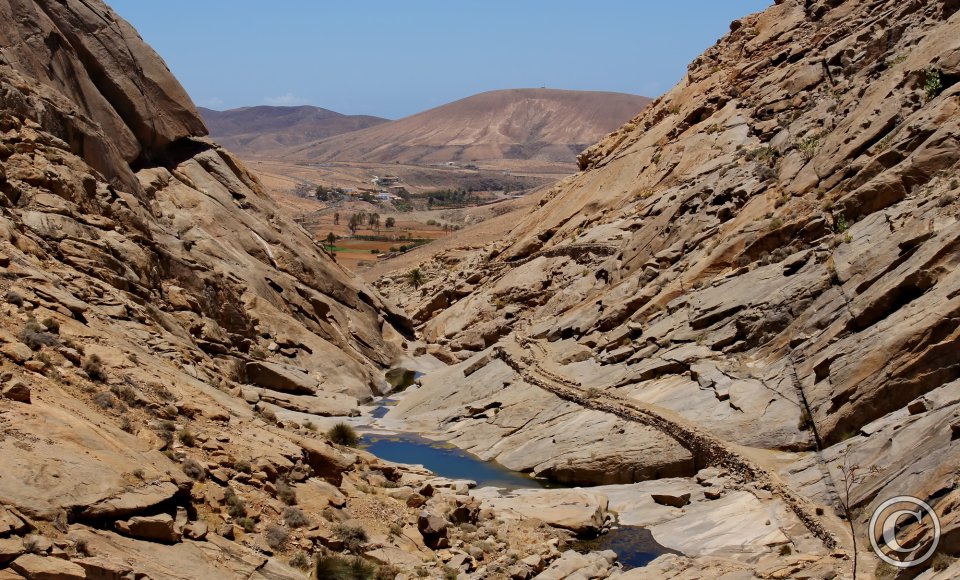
column 897, row 60
column 235, row 506
column 335, row 567
column 276, row 536
column 300, row 560
column 36, row 337
column 13, row 297
column 194, row 470
column 416, row 278
column 93, row 366
column 187, row 437
column 343, row 434
column 932, row 83
column 237, row 371
column 125, row 393
column 105, row 400
column 32, row 544
column 286, row 493
column 941, row 562
column 810, row 144
column 294, row 517
column 763, row 154
column 268, row 415
column 353, row 537
column 127, row 425
column 840, row 224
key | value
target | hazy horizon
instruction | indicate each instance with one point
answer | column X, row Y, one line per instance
column 393, row 60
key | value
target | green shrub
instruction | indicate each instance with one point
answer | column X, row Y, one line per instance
column 840, row 224
column 932, row 83
column 343, row 434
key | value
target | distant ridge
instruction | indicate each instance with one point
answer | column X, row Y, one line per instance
column 265, row 131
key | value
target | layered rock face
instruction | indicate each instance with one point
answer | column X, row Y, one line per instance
column 158, row 316
column 763, row 263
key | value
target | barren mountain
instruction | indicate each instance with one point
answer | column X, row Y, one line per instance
column 266, row 131
column 759, row 275
column 541, row 124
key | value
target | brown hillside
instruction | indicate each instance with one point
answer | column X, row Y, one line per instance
column 539, row 124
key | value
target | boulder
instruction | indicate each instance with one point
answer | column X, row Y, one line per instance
column 195, row 530
column 160, row 528
column 326, row 461
column 35, row 567
column 10, row 548
column 16, row 391
column 17, row 352
column 579, row 511
column 322, row 404
column 102, row 568
column 280, row 378
column 433, row 528
column 132, row 501
column 11, row 522
column 676, row 501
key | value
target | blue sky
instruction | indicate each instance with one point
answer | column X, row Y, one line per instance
column 393, row 58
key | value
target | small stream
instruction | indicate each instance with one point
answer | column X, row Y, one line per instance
column 446, row 460
column 635, row 546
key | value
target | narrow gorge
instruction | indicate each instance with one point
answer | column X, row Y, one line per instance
column 713, row 352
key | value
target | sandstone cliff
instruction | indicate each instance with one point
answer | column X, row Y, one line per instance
column 764, row 263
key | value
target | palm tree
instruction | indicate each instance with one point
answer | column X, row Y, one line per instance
column 415, row 278
column 331, row 241
column 336, row 219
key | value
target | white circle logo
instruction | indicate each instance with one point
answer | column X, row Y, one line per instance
column 886, row 520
